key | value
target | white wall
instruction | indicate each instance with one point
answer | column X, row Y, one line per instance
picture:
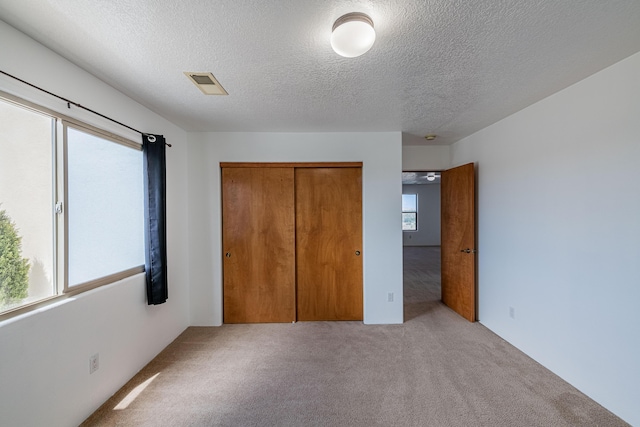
column 44, row 355
column 428, row 233
column 382, row 254
column 426, row 157
column 559, row 226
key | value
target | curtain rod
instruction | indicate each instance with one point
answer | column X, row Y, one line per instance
column 69, row 103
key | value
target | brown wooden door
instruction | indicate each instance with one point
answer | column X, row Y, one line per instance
column 258, row 245
column 329, row 243
column 458, row 224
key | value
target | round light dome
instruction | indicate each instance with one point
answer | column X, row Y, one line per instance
column 352, row 35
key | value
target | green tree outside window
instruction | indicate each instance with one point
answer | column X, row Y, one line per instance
column 14, row 270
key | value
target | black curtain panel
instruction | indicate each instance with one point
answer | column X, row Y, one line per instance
column 153, row 149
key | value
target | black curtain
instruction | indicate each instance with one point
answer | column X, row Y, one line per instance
column 153, row 150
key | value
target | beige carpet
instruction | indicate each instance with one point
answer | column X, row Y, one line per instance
column 435, row 370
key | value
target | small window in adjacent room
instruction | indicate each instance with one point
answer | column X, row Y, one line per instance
column 409, row 212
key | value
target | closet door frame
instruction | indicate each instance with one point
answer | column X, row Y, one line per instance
column 290, row 165
column 293, row 165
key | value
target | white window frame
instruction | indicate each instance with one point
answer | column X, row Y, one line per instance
column 61, row 123
column 412, row 211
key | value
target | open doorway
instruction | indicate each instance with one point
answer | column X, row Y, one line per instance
column 421, row 241
column 455, row 206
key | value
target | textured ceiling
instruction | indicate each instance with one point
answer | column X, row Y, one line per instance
column 420, row 178
column 449, row 67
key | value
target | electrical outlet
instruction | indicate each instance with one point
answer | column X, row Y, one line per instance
column 390, row 297
column 512, row 312
column 94, row 363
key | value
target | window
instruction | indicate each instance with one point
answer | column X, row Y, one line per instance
column 409, row 212
column 71, row 205
column 26, row 222
column 105, row 207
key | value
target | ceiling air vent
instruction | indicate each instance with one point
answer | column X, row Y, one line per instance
column 206, row 83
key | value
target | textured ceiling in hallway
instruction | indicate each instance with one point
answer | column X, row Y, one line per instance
column 439, row 66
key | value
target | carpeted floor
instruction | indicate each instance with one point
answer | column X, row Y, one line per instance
column 436, row 369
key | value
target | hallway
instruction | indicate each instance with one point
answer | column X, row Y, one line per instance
column 421, row 277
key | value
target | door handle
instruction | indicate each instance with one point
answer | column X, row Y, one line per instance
column 468, row 251
column 357, row 253
column 228, row 254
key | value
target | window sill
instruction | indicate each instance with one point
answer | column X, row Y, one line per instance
column 69, row 293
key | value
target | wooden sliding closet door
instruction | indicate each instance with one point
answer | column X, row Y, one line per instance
column 258, row 245
column 329, row 243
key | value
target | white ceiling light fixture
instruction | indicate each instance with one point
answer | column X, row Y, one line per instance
column 420, row 178
column 353, row 35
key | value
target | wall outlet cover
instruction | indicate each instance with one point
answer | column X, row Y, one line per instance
column 94, row 363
